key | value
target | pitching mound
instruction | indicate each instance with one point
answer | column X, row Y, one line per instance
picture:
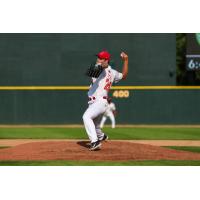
column 111, row 151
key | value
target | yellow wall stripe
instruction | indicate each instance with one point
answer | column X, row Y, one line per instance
column 155, row 87
column 44, row 88
column 86, row 88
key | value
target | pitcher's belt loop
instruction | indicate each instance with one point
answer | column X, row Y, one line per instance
column 94, row 98
column 91, row 98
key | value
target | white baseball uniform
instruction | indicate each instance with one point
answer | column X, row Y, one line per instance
column 109, row 113
column 97, row 95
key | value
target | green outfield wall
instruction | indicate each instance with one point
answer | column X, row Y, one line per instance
column 64, row 107
column 60, row 60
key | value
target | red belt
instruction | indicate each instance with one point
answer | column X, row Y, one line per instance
column 93, row 98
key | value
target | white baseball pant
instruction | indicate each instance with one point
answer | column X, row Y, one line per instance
column 92, row 119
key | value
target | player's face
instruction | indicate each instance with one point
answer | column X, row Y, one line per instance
column 103, row 62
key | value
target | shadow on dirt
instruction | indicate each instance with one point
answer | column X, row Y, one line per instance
column 85, row 144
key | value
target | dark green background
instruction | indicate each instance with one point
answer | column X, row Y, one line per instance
column 62, row 107
column 62, row 59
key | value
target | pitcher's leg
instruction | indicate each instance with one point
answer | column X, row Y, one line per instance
column 90, row 114
column 101, row 135
column 89, row 125
column 97, row 122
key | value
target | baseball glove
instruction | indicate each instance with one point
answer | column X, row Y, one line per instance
column 94, row 70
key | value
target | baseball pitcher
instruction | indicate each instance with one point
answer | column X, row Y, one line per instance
column 102, row 78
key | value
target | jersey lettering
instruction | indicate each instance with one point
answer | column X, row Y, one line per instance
column 108, row 82
column 107, row 86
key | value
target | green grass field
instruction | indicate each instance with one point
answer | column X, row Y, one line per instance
column 95, row 163
column 191, row 149
column 118, row 133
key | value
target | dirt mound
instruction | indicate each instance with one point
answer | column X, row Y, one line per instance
column 111, row 151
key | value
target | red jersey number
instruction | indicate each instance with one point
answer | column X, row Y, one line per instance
column 107, row 86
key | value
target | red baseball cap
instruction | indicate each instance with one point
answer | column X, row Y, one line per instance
column 103, row 55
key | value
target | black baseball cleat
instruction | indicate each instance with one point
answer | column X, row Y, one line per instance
column 105, row 137
column 95, row 146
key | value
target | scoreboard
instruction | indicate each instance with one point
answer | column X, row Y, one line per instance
column 193, row 52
